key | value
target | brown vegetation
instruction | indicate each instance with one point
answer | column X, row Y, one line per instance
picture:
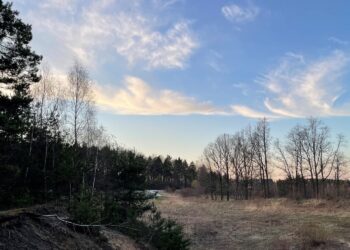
column 260, row 223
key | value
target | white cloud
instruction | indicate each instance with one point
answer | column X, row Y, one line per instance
column 299, row 89
column 251, row 113
column 138, row 98
column 299, row 57
column 214, row 61
column 61, row 5
column 337, row 40
column 99, row 27
column 163, row 4
column 238, row 14
column 137, row 41
column 242, row 87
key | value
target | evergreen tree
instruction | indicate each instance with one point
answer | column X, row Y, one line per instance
column 18, row 67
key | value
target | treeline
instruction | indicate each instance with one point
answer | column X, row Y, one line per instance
column 241, row 165
column 168, row 173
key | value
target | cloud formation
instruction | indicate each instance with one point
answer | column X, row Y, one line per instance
column 87, row 31
column 138, row 98
column 251, row 113
column 299, row 89
column 238, row 14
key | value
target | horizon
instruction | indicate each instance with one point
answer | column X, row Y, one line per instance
column 168, row 79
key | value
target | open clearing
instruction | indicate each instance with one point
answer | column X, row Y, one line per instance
column 260, row 224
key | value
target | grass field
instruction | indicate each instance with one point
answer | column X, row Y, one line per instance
column 260, row 224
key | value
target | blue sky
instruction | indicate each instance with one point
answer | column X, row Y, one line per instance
column 171, row 75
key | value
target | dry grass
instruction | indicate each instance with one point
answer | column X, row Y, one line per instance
column 260, row 224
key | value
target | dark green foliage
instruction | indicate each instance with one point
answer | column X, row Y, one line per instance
column 166, row 233
column 86, row 209
column 166, row 173
column 114, row 212
column 18, row 67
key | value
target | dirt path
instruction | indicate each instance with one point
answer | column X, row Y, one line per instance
column 260, row 224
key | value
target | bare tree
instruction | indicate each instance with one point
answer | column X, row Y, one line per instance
column 290, row 159
column 247, row 169
column 213, row 153
column 309, row 149
column 48, row 105
column 100, row 141
column 223, row 145
column 79, row 95
column 339, row 162
column 236, row 159
column 79, row 98
column 317, row 152
column 261, row 142
column 208, row 164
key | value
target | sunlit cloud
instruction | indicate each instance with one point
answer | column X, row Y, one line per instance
column 299, row 89
column 137, row 97
column 251, row 113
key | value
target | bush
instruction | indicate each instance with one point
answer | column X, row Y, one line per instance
column 163, row 234
column 24, row 199
column 166, row 234
column 86, row 209
column 114, row 212
column 313, row 235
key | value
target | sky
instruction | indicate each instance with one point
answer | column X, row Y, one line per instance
column 171, row 75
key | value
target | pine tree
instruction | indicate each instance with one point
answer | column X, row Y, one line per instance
column 19, row 68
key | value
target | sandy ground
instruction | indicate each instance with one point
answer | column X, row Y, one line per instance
column 260, row 224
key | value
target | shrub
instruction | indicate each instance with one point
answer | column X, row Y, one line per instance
column 114, row 212
column 86, row 209
column 166, row 234
column 24, row 199
column 313, row 235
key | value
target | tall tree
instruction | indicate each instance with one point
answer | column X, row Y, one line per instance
column 214, row 155
column 19, row 69
column 317, row 152
column 79, row 94
column 262, row 141
column 224, row 144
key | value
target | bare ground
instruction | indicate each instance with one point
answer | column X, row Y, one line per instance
column 24, row 229
column 260, row 224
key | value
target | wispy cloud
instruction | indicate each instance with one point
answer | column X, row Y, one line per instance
column 338, row 40
column 58, row 5
column 240, row 14
column 107, row 26
column 214, row 60
column 242, row 87
column 137, row 41
column 251, row 113
column 139, row 98
column 163, row 4
column 299, row 89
